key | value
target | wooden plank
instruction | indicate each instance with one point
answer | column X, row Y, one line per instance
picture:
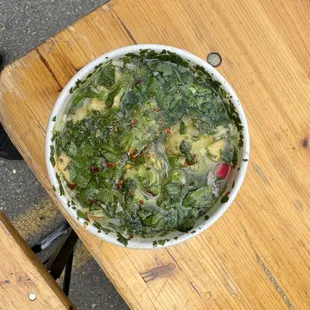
column 22, row 274
column 257, row 255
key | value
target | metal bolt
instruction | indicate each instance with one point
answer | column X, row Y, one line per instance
column 32, row 296
column 214, row 59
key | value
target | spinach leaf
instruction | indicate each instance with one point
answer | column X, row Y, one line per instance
column 86, row 150
column 82, row 179
column 202, row 197
column 83, row 93
column 107, row 76
column 182, row 128
column 173, row 189
column 110, row 100
column 187, row 225
column 72, row 151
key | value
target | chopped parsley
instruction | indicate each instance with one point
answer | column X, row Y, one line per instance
column 122, row 239
column 161, row 242
column 61, row 189
column 52, row 155
column 224, row 199
column 81, row 215
column 101, row 228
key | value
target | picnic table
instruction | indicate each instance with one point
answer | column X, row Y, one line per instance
column 257, row 255
column 24, row 282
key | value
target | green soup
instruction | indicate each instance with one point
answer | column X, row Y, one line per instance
column 147, row 144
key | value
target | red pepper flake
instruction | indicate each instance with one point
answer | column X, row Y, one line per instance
column 119, row 184
column 138, row 82
column 133, row 122
column 111, row 165
column 167, row 130
column 227, row 193
column 90, row 202
column 151, row 193
column 131, row 237
column 187, row 163
column 141, row 202
column 132, row 153
column 72, row 186
column 94, row 169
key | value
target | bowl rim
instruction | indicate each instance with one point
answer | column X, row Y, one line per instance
column 81, row 74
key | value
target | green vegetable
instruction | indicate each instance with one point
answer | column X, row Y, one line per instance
column 142, row 161
column 81, row 215
column 111, row 96
column 72, row 151
column 107, row 76
column 224, row 199
column 173, row 189
column 187, row 226
column 185, row 148
column 159, row 242
column 52, row 156
column 182, row 128
column 202, row 197
column 122, row 239
column 61, row 189
column 82, row 94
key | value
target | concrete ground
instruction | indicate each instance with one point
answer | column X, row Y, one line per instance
column 24, row 25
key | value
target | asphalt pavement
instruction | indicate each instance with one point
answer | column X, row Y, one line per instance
column 24, row 25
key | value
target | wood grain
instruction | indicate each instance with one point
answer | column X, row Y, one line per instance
column 21, row 274
column 257, row 255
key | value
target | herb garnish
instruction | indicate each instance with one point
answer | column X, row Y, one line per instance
column 148, row 144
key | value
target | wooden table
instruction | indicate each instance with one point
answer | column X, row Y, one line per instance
column 257, row 255
column 24, row 282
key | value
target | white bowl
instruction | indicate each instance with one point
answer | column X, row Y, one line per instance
column 237, row 175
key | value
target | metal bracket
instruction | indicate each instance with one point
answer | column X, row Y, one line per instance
column 62, row 257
